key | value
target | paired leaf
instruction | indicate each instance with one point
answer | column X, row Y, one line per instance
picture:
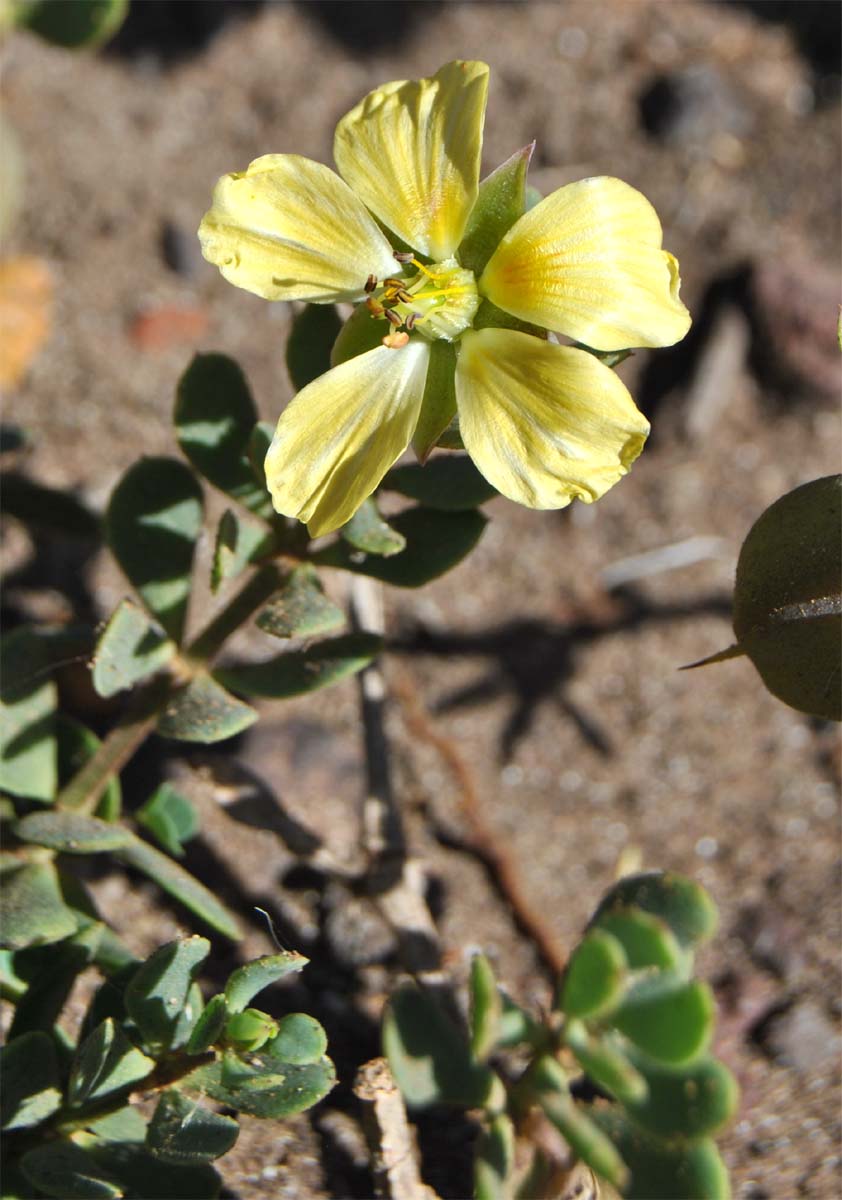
column 182, row 1131
column 595, row 978
column 693, row 1102
column 28, row 700
column 130, row 649
column 244, row 984
column 65, row 1170
column 153, row 521
column 300, row 608
column 105, row 1062
column 31, row 1081
column 647, row 940
column 449, row 482
column 670, row 1020
column 662, row 1171
column 682, row 903
column 203, row 711
column 298, row 672
column 170, row 818
column 368, row 531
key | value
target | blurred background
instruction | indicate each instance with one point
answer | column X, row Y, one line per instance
column 551, row 656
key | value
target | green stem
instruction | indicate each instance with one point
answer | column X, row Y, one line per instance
column 256, row 591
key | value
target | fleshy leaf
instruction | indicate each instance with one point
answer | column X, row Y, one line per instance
column 646, row 939
column 298, row 672
column 141, row 1174
column 693, row 1102
column 494, row 1160
column 606, row 1064
column 28, row 699
column 31, row 1082
column 436, row 542
column 170, row 818
column 73, row 23
column 159, row 990
column 72, row 833
column 32, row 907
column 75, row 744
column 208, row 1029
column 501, row 200
column 584, row 1137
column 486, row 1008
column 683, row 904
column 661, row 1170
column 311, row 339
column 262, row 1086
column 181, row 885
column 368, row 531
column 300, row 608
column 670, row 1020
column 204, row 712
column 129, row 649
column 238, row 543
column 244, row 984
column 300, row 1039
column 105, row 1062
column 182, row 1131
column 214, row 419
column 154, row 519
column 595, row 978
column 64, row 1170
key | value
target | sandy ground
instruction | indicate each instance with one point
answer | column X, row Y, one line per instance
column 584, row 741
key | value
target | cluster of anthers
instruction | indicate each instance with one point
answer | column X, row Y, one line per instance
column 422, row 300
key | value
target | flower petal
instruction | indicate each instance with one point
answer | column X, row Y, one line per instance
column 587, row 262
column 412, row 149
column 289, row 228
column 340, row 435
column 544, row 423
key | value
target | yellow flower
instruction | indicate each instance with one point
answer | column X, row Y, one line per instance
column 544, row 423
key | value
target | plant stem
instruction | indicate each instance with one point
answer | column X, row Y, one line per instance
column 256, row 591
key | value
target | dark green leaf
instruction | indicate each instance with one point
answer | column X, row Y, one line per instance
column 300, row 608
column 105, row 1062
column 663, row 1171
column 595, row 978
column 605, row 1064
column 238, row 543
column 298, row 672
column 28, row 699
column 31, row 1082
column 208, row 1029
column 368, row 531
column 183, row 1132
column 428, row 1056
column 438, row 405
column 75, row 745
column 130, row 648
column 48, row 509
column 494, row 1160
column 311, row 339
column 500, row 202
column 258, row 448
column 244, row 984
column 300, row 1040
column 160, row 989
column 32, row 907
column 436, row 542
column 125, row 1125
column 683, row 904
column 690, row 1103
column 52, row 972
column 672, row 1021
column 169, row 817
column 449, row 482
column 72, row 833
column 66, row 1171
column 204, row 712
column 181, row 885
column 486, row 1008
column 73, row 23
column 214, row 419
column 154, row 518
column 145, row 1177
column 788, row 597
column 264, row 1087
column 646, row 939
column 584, row 1137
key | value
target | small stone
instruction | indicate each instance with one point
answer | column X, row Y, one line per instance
column 180, row 250
column 802, row 1037
column 693, row 106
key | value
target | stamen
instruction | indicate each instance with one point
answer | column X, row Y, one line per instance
column 374, row 308
column 392, row 317
column 403, row 256
column 394, row 341
column 371, row 283
column 409, row 323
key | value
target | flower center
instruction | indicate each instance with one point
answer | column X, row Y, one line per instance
column 439, row 301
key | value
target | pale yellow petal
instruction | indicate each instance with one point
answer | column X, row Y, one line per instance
column 587, row 262
column 289, row 228
column 412, row 150
column 340, row 435
column 545, row 424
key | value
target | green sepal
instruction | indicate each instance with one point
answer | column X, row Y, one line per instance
column 104, row 1063
column 205, row 712
column 438, row 404
column 489, row 316
column 244, row 983
column 360, row 333
column 182, row 1131
column 436, row 542
column 500, row 202
column 28, row 701
column 596, row 977
column 159, row 991
column 214, row 417
column 314, row 330
column 170, row 818
column 298, row 672
column 153, row 522
column 301, row 608
column 129, row 649
column 31, row 1089
column 367, row 531
column 448, row 482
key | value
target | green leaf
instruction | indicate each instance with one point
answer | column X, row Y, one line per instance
column 203, row 711
column 258, row 448
column 244, row 984
column 500, row 202
column 208, row 1029
column 130, row 648
column 300, row 608
column 670, row 1020
column 66, row 1171
column 263, row 1087
column 683, row 904
column 74, row 24
column 72, row 833
column 125, row 1125
column 48, row 509
column 494, row 1160
column 31, row 1082
column 214, row 419
column 436, row 542
column 438, row 404
column 314, row 330
column 663, row 1171
column 105, row 1062
column 605, row 1064
column 486, row 1008
column 595, row 978
column 238, row 543
column 153, row 521
column 75, row 744
column 298, row 672
column 788, row 597
column 28, row 699
column 581, row 1133
column 159, row 990
column 181, row 885
column 693, row 1102
column 449, row 482
column 646, row 939
column 183, row 1132
column 32, row 907
column 368, row 531
column 170, row 818
column 52, row 971
column 300, row 1040
column 143, row 1175
column 429, row 1057
column 361, row 332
